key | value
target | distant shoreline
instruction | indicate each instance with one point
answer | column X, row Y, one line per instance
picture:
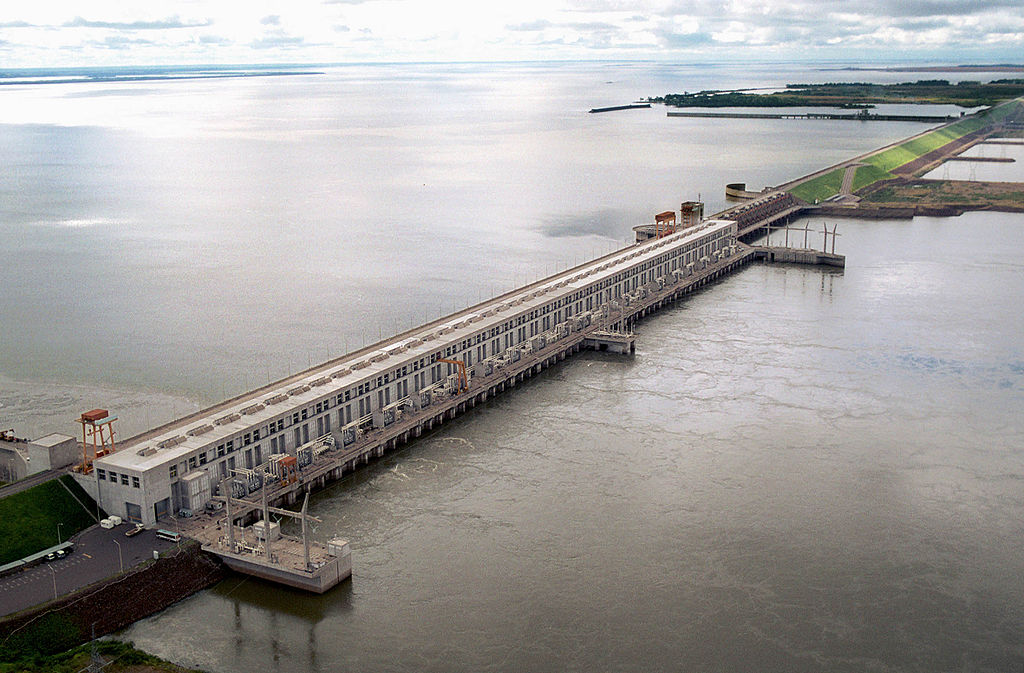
column 107, row 79
column 1004, row 67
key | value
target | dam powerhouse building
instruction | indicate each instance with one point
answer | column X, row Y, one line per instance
column 282, row 429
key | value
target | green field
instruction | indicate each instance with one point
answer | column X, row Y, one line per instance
column 28, row 520
column 880, row 165
column 868, row 175
column 821, row 187
column 894, row 157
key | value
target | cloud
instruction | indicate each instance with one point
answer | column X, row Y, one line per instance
column 530, row 26
column 641, row 29
column 277, row 41
column 163, row 24
column 675, row 40
column 119, row 42
column 932, row 8
column 214, row 39
column 592, row 26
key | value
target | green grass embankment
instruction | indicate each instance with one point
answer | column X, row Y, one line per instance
column 894, row 157
column 28, row 520
column 879, row 166
column 821, row 187
column 868, row 175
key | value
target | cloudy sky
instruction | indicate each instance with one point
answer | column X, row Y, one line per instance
column 115, row 32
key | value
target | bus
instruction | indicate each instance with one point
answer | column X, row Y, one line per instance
column 169, row 535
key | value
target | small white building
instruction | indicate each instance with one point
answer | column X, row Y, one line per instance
column 20, row 458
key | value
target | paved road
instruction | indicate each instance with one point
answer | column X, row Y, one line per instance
column 95, row 557
column 28, row 482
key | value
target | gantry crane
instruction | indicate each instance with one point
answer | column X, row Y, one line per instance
column 463, row 380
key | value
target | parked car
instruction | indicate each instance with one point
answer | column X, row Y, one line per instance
column 51, row 557
column 134, row 530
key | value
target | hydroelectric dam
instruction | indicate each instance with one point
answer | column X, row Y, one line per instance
column 217, row 475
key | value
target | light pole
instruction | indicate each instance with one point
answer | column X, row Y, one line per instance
column 120, row 558
column 59, row 524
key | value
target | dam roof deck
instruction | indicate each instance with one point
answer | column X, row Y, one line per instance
column 179, row 438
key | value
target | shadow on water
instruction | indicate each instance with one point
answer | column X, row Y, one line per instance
column 263, row 595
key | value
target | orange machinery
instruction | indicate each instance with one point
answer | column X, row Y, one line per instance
column 463, row 379
column 98, row 426
column 289, row 467
column 664, row 223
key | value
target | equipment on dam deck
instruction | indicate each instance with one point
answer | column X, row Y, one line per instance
column 664, row 224
column 262, row 531
column 690, row 214
column 283, row 467
column 97, row 425
column 463, row 382
column 289, row 469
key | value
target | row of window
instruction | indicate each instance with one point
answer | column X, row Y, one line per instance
column 112, row 477
column 536, row 320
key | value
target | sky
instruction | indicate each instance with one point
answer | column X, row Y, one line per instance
column 51, row 33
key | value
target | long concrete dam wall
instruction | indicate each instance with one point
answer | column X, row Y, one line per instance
column 355, row 398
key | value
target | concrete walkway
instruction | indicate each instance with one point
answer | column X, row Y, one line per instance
column 851, row 171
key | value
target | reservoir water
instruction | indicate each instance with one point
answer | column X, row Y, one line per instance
column 799, row 470
column 169, row 244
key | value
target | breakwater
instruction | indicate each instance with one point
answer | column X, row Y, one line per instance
column 928, row 119
column 614, row 108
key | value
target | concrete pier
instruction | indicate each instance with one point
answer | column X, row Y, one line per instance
column 785, row 255
column 611, row 333
column 611, row 342
column 1000, row 160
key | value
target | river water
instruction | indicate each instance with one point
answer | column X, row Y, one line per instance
column 799, row 470
column 170, row 244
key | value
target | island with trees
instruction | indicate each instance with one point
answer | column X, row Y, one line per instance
column 854, row 95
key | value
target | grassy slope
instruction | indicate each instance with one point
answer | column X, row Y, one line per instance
column 895, row 157
column 880, row 164
column 821, row 187
column 28, row 520
column 868, row 175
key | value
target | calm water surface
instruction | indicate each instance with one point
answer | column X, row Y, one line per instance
column 799, row 470
column 169, row 244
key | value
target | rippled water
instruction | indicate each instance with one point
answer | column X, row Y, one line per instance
column 800, row 470
column 192, row 239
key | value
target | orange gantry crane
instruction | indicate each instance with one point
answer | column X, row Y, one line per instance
column 463, row 380
column 97, row 425
column 664, row 224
